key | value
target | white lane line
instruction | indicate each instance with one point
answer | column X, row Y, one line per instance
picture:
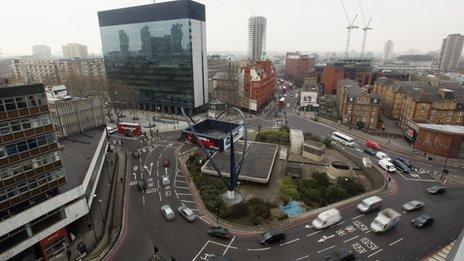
column 339, row 224
column 158, row 181
column 161, row 199
column 394, row 242
column 301, row 258
column 314, row 233
column 177, row 195
column 223, row 245
column 181, row 187
column 201, row 250
column 358, row 216
column 143, row 200
column 348, row 240
column 325, row 249
column 181, row 181
column 258, row 249
column 184, row 194
column 228, row 246
column 157, row 164
column 204, row 220
column 375, row 252
column 291, row 241
column 160, row 156
column 368, row 231
column 188, row 201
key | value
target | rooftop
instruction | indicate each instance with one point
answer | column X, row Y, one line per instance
column 76, row 156
column 450, row 129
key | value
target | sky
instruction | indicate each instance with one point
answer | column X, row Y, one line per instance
column 293, row 25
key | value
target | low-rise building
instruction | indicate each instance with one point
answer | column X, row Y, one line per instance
column 309, row 95
column 297, row 65
column 356, row 106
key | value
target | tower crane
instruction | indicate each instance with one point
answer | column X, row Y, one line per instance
column 365, row 29
column 348, row 29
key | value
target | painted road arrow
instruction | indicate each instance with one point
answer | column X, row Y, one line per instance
column 324, row 238
column 308, row 226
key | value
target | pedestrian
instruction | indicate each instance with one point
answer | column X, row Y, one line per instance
column 120, row 179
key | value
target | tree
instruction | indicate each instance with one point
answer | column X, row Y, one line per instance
column 228, row 86
column 288, row 191
column 350, row 185
column 328, row 142
column 334, row 194
column 321, row 179
column 121, row 97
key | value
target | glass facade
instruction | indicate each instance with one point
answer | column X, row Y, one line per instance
column 155, row 58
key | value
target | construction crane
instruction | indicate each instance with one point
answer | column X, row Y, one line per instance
column 348, row 29
column 365, row 29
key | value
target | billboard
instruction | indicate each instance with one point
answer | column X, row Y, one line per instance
column 236, row 134
column 253, row 105
column 308, row 99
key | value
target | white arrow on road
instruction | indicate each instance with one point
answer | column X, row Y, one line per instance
column 308, row 226
column 324, row 238
column 151, row 167
column 166, row 171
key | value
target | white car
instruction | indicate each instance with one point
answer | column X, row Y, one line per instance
column 382, row 155
column 110, row 130
column 168, row 212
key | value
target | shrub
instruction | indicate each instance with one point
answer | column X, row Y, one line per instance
column 334, row 194
column 328, row 142
column 239, row 210
column 321, row 179
column 259, row 207
column 350, row 185
column 288, row 191
column 285, row 128
column 283, row 216
column 255, row 221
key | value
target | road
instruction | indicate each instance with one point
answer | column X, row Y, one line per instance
column 145, row 227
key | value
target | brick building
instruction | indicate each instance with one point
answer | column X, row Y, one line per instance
column 355, row 105
column 259, row 85
column 441, row 140
column 297, row 65
column 330, row 77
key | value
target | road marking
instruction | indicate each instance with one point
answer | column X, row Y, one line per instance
column 258, row 249
column 375, row 252
column 201, row 250
column 325, row 249
column 312, row 234
column 368, row 231
column 177, row 195
column 143, row 199
column 188, row 201
column 308, row 226
column 291, row 241
column 358, row 216
column 394, row 242
column 160, row 156
column 324, row 238
column 181, row 181
column 301, row 258
column 181, row 187
column 341, row 223
column 159, row 193
column 184, row 194
column 228, row 246
column 348, row 240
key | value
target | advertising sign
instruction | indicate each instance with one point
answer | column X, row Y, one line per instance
column 236, row 134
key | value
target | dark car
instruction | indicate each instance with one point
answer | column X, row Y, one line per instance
column 436, row 190
column 166, row 163
column 219, row 232
column 413, row 205
column 405, row 161
column 342, row 254
column 422, row 221
column 141, row 185
column 369, row 151
column 272, row 236
column 399, row 165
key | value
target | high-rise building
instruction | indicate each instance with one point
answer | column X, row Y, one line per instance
column 256, row 37
column 388, row 50
column 74, row 50
column 450, row 53
column 42, row 52
column 160, row 51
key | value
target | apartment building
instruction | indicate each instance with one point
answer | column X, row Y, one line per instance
column 393, row 97
column 356, row 105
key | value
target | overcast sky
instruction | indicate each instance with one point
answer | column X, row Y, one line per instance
column 305, row 25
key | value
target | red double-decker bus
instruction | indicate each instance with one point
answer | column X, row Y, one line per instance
column 129, row 128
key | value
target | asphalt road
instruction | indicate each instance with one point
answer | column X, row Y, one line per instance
column 145, row 226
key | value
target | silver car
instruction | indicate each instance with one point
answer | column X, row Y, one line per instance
column 165, row 180
column 168, row 212
column 187, row 213
column 413, row 205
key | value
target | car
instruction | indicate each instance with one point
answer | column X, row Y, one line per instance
column 436, row 189
column 382, row 155
column 422, row 221
column 342, row 254
column 271, row 236
column 369, row 151
column 166, row 163
column 186, row 213
column 413, row 205
column 136, row 154
column 399, row 165
column 141, row 185
column 165, row 180
column 168, row 212
column 405, row 161
column 219, row 232
column 110, row 130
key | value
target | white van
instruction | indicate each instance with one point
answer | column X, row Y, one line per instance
column 387, row 165
column 382, row 155
column 370, row 204
column 327, row 218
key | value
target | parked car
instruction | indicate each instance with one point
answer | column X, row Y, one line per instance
column 186, row 213
column 382, row 155
column 165, row 180
column 136, row 154
column 422, row 221
column 436, row 189
column 369, row 151
column 342, row 254
column 413, row 205
column 405, row 161
column 272, row 236
column 166, row 163
column 219, row 232
column 168, row 212
column 399, row 165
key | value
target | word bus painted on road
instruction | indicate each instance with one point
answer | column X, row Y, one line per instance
column 129, row 128
column 343, row 139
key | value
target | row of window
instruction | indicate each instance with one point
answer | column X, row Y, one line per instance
column 25, row 186
column 25, row 124
column 29, row 144
column 22, row 102
column 29, row 164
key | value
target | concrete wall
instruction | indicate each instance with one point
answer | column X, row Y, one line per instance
column 296, row 141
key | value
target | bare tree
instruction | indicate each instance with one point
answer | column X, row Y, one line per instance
column 120, row 97
column 228, row 86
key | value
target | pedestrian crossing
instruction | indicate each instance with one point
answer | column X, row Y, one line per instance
column 442, row 254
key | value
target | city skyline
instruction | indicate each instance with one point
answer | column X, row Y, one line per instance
column 313, row 35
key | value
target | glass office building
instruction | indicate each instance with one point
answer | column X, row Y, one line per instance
column 160, row 51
